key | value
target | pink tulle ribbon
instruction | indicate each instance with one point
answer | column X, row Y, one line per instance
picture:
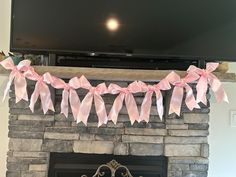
column 93, row 94
column 127, row 95
column 18, row 77
column 147, row 101
column 69, row 93
column 178, row 92
column 41, row 89
column 207, row 77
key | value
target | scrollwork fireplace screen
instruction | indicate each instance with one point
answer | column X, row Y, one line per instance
column 94, row 165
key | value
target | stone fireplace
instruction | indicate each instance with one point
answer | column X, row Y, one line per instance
column 33, row 136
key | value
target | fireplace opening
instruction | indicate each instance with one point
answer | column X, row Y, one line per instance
column 89, row 165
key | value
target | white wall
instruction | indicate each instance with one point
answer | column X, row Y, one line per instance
column 222, row 137
column 4, row 45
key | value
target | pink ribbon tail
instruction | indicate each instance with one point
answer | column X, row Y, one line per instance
column 132, row 108
column 74, row 102
column 146, row 107
column 176, row 100
column 42, row 90
column 190, row 99
column 100, row 109
column 85, row 108
column 20, row 88
column 218, row 89
column 116, row 107
column 159, row 103
column 34, row 96
column 64, row 103
column 45, row 96
column 201, row 90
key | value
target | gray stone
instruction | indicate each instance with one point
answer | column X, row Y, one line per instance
column 62, row 124
column 142, row 139
column 27, row 160
column 25, row 134
column 62, row 129
column 31, row 154
column 177, row 127
column 36, row 117
column 57, row 146
column 94, row 147
column 185, row 140
column 155, row 125
column 175, row 121
column 25, row 144
column 13, row 174
column 26, row 128
column 13, row 117
column 86, row 136
column 198, row 126
column 61, row 136
column 146, row 149
column 31, row 123
column 194, row 174
column 188, row 160
column 34, row 174
column 145, row 131
column 108, row 137
column 198, row 167
column 179, row 167
column 175, row 174
column 195, row 118
column 188, row 132
column 121, row 149
column 38, row 167
column 182, row 150
column 105, row 131
column 16, row 166
column 205, row 150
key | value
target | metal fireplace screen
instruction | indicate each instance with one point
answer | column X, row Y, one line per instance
column 94, row 165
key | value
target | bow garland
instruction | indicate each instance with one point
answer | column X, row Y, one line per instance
column 81, row 110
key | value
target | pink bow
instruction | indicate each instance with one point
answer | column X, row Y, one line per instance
column 41, row 89
column 206, row 76
column 147, row 102
column 69, row 93
column 85, row 106
column 124, row 93
column 178, row 92
column 18, row 77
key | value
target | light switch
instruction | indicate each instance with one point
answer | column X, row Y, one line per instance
column 233, row 118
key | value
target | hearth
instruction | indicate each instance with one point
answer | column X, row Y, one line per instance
column 88, row 165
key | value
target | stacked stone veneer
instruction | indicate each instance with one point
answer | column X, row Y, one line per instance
column 33, row 136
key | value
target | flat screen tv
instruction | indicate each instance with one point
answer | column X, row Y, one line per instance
column 133, row 28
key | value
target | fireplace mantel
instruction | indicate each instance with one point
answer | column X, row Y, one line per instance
column 115, row 74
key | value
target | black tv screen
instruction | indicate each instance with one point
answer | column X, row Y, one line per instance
column 180, row 28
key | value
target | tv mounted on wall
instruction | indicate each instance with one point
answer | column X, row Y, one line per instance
column 156, row 29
